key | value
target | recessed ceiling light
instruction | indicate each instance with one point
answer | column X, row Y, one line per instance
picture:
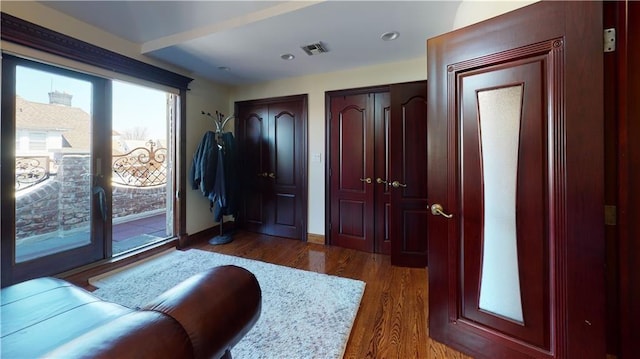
column 287, row 56
column 224, row 68
column 391, row 35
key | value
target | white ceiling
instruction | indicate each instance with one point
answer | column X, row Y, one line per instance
column 248, row 37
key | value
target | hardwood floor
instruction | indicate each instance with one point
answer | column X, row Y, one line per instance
column 392, row 319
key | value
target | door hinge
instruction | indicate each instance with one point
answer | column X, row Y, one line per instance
column 329, row 172
column 610, row 215
column 329, row 225
column 610, row 40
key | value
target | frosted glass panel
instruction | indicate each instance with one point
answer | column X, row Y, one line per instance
column 500, row 132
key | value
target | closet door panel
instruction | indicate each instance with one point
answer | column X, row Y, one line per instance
column 254, row 152
column 408, row 163
column 351, row 180
column 272, row 138
column 286, row 139
column 284, row 143
column 352, row 132
column 382, row 123
column 377, row 192
column 285, row 210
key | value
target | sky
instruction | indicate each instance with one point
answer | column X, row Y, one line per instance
column 133, row 105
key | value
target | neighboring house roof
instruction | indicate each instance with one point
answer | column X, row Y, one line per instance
column 73, row 122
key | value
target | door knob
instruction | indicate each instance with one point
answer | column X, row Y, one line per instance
column 368, row 179
column 272, row 175
column 437, row 210
column 380, row 180
column 397, row 184
column 263, row 174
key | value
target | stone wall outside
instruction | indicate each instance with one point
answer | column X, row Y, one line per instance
column 61, row 202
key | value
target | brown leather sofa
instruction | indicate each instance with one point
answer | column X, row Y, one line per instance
column 202, row 317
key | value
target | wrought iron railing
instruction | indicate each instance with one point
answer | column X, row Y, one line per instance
column 141, row 167
column 31, row 170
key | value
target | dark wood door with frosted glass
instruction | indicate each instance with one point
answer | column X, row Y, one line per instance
column 272, row 163
column 515, row 181
column 407, row 180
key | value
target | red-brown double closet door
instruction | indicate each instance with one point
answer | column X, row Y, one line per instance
column 377, row 148
column 272, row 163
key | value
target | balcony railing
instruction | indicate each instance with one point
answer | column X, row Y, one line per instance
column 141, row 167
column 31, row 170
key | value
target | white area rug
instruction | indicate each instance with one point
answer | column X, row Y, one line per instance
column 304, row 314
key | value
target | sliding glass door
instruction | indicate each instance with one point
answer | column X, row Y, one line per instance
column 53, row 162
column 52, row 203
column 84, row 177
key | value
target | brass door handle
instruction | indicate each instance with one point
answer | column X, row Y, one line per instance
column 272, row 175
column 437, row 210
column 397, row 184
column 263, row 174
column 380, row 180
column 368, row 179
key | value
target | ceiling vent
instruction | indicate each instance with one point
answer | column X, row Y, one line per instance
column 315, row 49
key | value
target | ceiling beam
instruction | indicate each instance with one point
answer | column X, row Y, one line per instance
column 179, row 38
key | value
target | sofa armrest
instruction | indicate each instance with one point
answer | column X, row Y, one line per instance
column 216, row 308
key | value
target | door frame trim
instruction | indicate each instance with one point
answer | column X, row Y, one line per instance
column 628, row 153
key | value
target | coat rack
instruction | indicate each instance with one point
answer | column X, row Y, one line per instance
column 220, row 121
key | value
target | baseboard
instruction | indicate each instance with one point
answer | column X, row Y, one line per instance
column 209, row 233
column 315, row 238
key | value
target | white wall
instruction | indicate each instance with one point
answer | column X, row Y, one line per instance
column 473, row 11
column 208, row 97
column 315, row 87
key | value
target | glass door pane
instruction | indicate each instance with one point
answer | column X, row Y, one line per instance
column 53, row 160
column 142, row 163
